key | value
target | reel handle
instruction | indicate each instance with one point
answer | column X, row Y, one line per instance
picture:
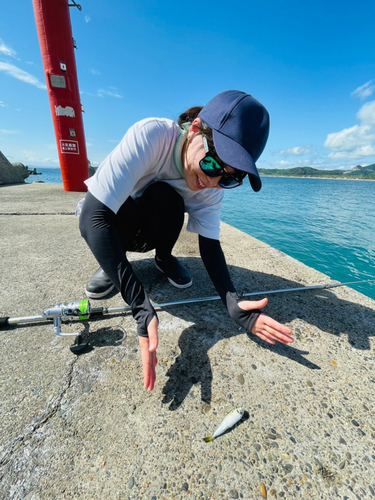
column 57, row 329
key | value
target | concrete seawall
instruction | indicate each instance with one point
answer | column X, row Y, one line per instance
column 83, row 426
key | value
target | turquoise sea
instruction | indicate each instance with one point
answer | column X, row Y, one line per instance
column 327, row 224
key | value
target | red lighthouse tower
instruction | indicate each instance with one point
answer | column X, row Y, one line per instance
column 57, row 47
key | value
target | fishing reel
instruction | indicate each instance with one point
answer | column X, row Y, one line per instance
column 78, row 310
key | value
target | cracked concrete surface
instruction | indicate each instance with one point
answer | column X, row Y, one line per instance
column 84, row 427
column 37, row 422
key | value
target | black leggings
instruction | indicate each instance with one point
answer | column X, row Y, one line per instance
column 152, row 221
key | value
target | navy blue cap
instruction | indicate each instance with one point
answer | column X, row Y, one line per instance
column 240, row 126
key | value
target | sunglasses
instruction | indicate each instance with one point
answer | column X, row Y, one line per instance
column 212, row 168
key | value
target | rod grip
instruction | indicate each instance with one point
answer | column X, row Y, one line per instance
column 96, row 311
column 4, row 323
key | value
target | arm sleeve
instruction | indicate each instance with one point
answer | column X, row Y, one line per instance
column 97, row 228
column 214, row 261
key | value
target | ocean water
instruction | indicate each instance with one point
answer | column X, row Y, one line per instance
column 50, row 175
column 327, row 224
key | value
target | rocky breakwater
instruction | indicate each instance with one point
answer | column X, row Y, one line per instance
column 12, row 173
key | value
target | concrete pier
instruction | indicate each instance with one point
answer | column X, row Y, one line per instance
column 84, row 427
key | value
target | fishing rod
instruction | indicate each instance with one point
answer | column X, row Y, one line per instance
column 81, row 310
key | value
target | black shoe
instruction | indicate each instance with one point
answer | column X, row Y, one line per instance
column 99, row 285
column 176, row 273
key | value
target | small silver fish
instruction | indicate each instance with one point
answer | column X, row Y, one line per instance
column 232, row 418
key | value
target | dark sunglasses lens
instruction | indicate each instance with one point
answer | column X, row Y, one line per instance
column 210, row 167
column 228, row 182
column 213, row 169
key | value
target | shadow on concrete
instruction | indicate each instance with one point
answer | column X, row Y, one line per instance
column 211, row 323
column 320, row 308
column 102, row 338
column 193, row 366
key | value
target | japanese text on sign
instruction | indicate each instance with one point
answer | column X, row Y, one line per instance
column 69, row 147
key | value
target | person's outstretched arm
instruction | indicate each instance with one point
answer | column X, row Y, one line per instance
column 245, row 312
column 97, row 228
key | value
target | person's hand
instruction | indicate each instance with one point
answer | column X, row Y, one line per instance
column 265, row 327
column 148, row 354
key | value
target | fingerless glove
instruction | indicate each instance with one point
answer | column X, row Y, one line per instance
column 246, row 319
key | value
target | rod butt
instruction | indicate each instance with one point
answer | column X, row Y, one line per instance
column 4, row 323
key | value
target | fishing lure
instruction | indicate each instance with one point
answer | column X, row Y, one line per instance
column 232, row 418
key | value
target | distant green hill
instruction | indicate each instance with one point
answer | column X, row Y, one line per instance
column 357, row 172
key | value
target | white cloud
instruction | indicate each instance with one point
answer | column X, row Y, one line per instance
column 282, row 164
column 87, row 19
column 20, row 74
column 2, row 105
column 95, row 72
column 111, row 93
column 29, row 156
column 296, row 151
column 356, row 154
column 367, row 113
column 7, row 51
column 83, row 92
column 355, row 142
column 9, row 132
column 365, row 90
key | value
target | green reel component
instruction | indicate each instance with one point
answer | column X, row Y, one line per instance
column 80, row 309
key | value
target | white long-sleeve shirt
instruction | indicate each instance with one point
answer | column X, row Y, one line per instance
column 146, row 155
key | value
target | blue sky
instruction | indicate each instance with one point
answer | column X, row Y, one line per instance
column 312, row 64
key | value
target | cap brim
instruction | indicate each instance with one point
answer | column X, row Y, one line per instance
column 234, row 155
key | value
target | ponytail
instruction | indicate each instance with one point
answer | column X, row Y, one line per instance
column 186, row 118
column 189, row 115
